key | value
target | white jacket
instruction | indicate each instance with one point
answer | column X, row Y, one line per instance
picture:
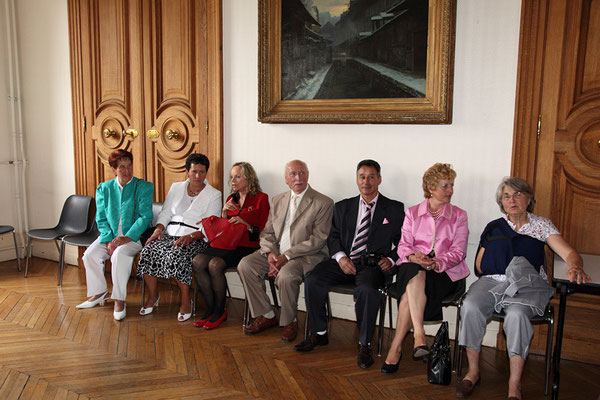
column 207, row 203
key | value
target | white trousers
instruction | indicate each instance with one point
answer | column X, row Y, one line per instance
column 121, row 260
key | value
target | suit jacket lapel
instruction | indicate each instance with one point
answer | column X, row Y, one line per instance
column 307, row 200
column 280, row 217
column 351, row 217
column 379, row 215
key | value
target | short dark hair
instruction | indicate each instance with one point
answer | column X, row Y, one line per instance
column 369, row 163
column 117, row 155
column 196, row 158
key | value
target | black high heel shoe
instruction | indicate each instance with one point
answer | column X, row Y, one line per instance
column 421, row 352
column 390, row 368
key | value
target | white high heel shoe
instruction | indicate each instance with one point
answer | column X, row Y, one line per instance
column 89, row 304
column 148, row 310
column 119, row 315
column 184, row 317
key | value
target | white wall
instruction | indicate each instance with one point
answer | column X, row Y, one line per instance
column 8, row 211
column 478, row 143
column 43, row 46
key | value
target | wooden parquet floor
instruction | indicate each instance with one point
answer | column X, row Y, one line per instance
column 50, row 350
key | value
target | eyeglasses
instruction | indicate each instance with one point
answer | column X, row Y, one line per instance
column 515, row 195
column 446, row 186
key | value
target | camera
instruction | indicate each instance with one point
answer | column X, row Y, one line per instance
column 370, row 259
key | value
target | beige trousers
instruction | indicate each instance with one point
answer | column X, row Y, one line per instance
column 252, row 270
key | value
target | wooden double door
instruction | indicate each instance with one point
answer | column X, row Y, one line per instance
column 146, row 77
column 557, row 140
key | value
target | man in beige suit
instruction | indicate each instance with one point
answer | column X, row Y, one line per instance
column 291, row 244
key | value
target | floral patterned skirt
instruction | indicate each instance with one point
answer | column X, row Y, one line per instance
column 160, row 258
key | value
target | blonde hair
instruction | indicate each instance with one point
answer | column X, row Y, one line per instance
column 434, row 175
column 250, row 175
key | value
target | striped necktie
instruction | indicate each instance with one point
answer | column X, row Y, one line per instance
column 362, row 234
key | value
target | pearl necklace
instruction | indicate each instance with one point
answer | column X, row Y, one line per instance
column 436, row 214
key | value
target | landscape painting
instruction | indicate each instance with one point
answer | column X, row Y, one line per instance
column 353, row 49
column 356, row 61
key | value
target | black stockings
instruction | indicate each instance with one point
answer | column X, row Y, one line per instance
column 210, row 275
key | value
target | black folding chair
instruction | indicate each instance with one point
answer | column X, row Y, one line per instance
column 6, row 229
column 74, row 219
column 348, row 289
column 84, row 239
column 453, row 299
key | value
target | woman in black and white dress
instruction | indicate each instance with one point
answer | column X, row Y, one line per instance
column 177, row 237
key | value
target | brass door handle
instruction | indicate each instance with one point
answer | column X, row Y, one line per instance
column 108, row 133
column 130, row 132
column 171, row 134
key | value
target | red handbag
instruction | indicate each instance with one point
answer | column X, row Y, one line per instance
column 221, row 234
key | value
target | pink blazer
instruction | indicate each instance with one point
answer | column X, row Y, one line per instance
column 419, row 233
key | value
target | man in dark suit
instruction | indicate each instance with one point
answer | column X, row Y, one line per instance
column 367, row 224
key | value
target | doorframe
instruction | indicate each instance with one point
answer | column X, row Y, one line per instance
column 532, row 38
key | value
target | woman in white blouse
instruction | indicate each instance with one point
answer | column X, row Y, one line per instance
column 177, row 237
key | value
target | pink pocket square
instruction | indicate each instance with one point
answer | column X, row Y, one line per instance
column 385, row 221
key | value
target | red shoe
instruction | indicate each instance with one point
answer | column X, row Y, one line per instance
column 201, row 322
column 213, row 325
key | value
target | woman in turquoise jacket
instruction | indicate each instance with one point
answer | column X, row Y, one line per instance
column 123, row 213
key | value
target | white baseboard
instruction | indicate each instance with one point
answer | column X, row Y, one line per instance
column 47, row 249
column 343, row 307
column 7, row 247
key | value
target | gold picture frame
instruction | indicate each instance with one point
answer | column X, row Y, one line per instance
column 434, row 108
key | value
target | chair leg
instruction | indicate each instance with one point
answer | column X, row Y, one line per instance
column 28, row 254
column 57, row 246
column 227, row 289
column 329, row 313
column 195, row 298
column 61, row 263
column 458, row 349
column 306, row 327
column 246, row 320
column 549, row 350
column 17, row 250
column 143, row 292
column 460, row 357
column 381, row 323
column 391, row 317
column 274, row 294
column 456, row 332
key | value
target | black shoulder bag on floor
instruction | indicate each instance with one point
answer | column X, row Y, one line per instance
column 439, row 368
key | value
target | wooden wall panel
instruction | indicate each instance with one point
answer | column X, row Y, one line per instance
column 558, row 90
column 113, row 42
column 590, row 81
column 179, row 113
column 146, row 77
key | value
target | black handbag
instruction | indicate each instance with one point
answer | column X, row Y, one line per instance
column 439, row 368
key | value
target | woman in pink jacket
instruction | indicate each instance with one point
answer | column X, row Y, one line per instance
column 431, row 261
